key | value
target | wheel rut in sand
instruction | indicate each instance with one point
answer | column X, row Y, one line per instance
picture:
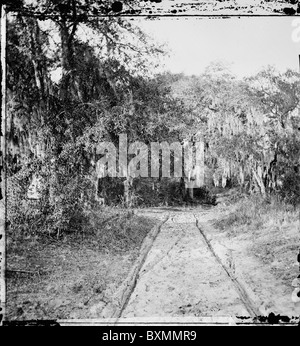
column 182, row 277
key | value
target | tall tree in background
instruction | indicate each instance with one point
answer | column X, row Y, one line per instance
column 248, row 125
column 49, row 121
column 80, row 30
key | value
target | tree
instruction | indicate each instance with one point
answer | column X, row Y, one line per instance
column 247, row 124
column 277, row 96
column 49, row 120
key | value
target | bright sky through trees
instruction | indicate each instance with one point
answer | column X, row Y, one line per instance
column 246, row 44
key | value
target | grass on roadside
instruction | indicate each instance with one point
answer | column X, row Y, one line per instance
column 272, row 226
column 50, row 278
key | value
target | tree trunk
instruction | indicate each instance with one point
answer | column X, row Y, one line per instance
column 67, row 58
column 258, row 178
column 36, row 54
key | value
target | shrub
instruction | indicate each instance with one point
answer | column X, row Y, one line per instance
column 65, row 202
column 290, row 189
column 205, row 195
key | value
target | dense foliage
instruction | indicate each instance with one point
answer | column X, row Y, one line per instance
column 76, row 79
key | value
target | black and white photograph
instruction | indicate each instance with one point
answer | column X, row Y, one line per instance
column 150, row 164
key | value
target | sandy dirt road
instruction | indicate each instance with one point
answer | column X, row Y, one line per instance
column 181, row 277
column 189, row 272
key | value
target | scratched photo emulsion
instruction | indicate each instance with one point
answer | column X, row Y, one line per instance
column 152, row 167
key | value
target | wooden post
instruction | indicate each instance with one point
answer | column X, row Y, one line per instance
column 127, row 191
column 3, row 201
column 215, row 179
column 199, row 166
column 195, row 177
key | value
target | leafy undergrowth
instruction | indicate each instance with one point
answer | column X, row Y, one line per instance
column 273, row 229
column 62, row 278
